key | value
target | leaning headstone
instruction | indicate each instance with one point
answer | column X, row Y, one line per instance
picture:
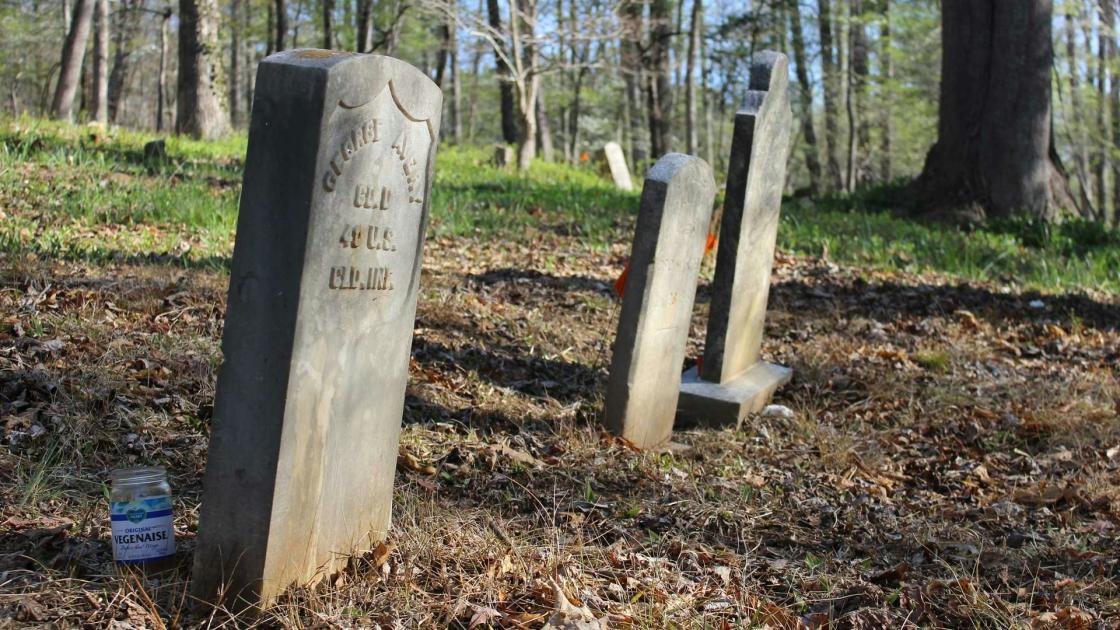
column 322, row 301
column 653, row 326
column 503, row 155
column 732, row 379
column 616, row 162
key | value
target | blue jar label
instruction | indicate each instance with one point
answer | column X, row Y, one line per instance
column 142, row 529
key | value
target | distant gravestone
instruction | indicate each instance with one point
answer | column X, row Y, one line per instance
column 503, row 155
column 322, row 302
column 616, row 162
column 653, row 326
column 733, row 381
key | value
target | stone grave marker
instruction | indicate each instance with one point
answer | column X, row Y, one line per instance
column 656, row 312
column 322, row 301
column 616, row 162
column 733, row 380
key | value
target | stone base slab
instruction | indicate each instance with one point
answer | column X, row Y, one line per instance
column 726, row 404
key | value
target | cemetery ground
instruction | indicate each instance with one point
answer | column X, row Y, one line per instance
column 952, row 459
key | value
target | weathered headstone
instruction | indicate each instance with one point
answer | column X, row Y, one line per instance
column 503, row 155
column 733, row 381
column 322, row 302
column 653, row 326
column 616, row 162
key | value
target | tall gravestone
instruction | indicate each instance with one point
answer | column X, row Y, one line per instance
column 322, row 301
column 733, row 380
column 653, row 326
column 616, row 162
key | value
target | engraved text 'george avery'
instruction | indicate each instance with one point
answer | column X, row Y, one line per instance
column 360, row 136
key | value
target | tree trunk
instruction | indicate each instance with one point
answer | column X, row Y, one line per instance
column 443, row 32
column 361, row 26
column 1104, row 46
column 235, row 63
column 100, row 109
column 630, row 18
column 886, row 92
column 812, row 162
column 659, row 91
column 692, row 123
column 544, row 130
column 994, row 150
column 456, row 76
column 161, row 97
column 1108, row 25
column 199, row 109
column 859, row 130
column 523, row 18
column 280, row 10
column 831, row 91
column 1077, row 128
column 128, row 27
column 506, row 88
column 328, row 19
column 73, row 54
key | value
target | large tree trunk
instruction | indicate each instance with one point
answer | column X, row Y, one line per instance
column 100, row 109
column 994, row 150
column 812, row 162
column 199, row 108
column 659, row 89
column 831, row 91
column 506, row 89
column 73, row 54
column 692, row 123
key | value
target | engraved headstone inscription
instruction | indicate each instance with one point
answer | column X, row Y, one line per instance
column 733, row 380
column 616, row 162
column 322, row 301
column 653, row 326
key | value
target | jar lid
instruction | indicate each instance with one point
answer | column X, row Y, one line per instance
column 141, row 475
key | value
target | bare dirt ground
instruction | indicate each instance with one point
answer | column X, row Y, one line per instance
column 953, row 459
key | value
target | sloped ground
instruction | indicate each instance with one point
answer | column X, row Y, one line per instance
column 953, row 459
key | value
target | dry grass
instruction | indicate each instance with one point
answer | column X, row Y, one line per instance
column 979, row 489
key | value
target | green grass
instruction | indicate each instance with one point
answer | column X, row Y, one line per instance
column 88, row 193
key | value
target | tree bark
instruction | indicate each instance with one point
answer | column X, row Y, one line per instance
column 100, row 107
column 831, row 91
column 630, row 18
column 994, row 153
column 510, row 131
column 280, row 10
column 859, row 132
column 886, row 92
column 128, row 27
column 161, row 96
column 808, row 132
column 1108, row 25
column 659, row 90
column 1103, row 159
column 456, row 76
column 361, row 26
column 73, row 54
column 692, row 123
column 526, row 55
column 327, row 9
column 235, row 63
column 200, row 111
